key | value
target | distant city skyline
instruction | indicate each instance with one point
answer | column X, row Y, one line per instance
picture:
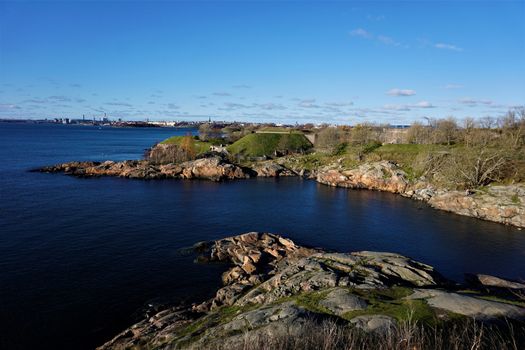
column 282, row 62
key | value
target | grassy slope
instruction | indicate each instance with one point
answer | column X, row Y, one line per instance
column 200, row 146
column 265, row 144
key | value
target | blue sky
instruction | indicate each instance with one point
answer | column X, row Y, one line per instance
column 286, row 61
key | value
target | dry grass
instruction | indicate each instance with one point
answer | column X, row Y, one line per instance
column 409, row 335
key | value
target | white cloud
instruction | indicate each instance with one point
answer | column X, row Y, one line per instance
column 308, row 103
column 121, row 104
column 401, row 92
column 396, row 107
column 340, row 104
column 360, row 32
column 8, row 106
column 450, row 47
column 271, row 106
column 408, row 107
column 423, row 104
column 386, row 40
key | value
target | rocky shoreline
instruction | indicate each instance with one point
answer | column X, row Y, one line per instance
column 274, row 285
column 502, row 204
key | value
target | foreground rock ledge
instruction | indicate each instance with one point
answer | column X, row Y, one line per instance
column 272, row 285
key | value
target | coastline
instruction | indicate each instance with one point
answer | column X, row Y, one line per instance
column 273, row 287
column 498, row 203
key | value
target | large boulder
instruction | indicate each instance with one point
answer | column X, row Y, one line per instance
column 271, row 169
column 340, row 301
column 468, row 305
column 382, row 176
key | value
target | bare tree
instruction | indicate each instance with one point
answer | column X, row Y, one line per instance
column 445, row 131
column 487, row 122
column 476, row 167
column 363, row 133
column 418, row 133
column 329, row 138
column 513, row 126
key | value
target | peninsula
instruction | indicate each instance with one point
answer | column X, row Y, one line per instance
column 471, row 170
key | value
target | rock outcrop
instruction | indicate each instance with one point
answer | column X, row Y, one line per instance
column 382, row 176
column 212, row 168
column 503, row 204
column 271, row 169
column 274, row 286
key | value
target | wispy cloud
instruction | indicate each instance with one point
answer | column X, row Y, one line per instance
column 375, row 17
column 453, row 86
column 222, row 94
column 388, row 40
column 423, row 104
column 121, row 104
column 472, row 102
column 394, row 107
column 408, row 107
column 339, row 104
column 8, row 106
column 401, row 92
column 443, row 46
column 232, row 106
column 364, row 34
column 172, row 106
column 360, row 32
column 35, row 101
column 308, row 103
column 271, row 106
column 75, row 85
column 60, row 98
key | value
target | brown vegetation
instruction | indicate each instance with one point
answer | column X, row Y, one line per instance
column 330, row 335
column 173, row 153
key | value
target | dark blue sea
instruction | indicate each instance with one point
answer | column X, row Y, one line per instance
column 81, row 258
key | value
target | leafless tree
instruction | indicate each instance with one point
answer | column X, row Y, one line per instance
column 513, row 126
column 477, row 166
column 418, row 133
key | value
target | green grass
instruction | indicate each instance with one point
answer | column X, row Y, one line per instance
column 310, row 301
column 200, row 146
column 406, row 153
column 279, row 130
column 515, row 199
column 390, row 302
column 256, row 145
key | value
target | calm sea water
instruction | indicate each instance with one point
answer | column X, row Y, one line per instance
column 79, row 258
